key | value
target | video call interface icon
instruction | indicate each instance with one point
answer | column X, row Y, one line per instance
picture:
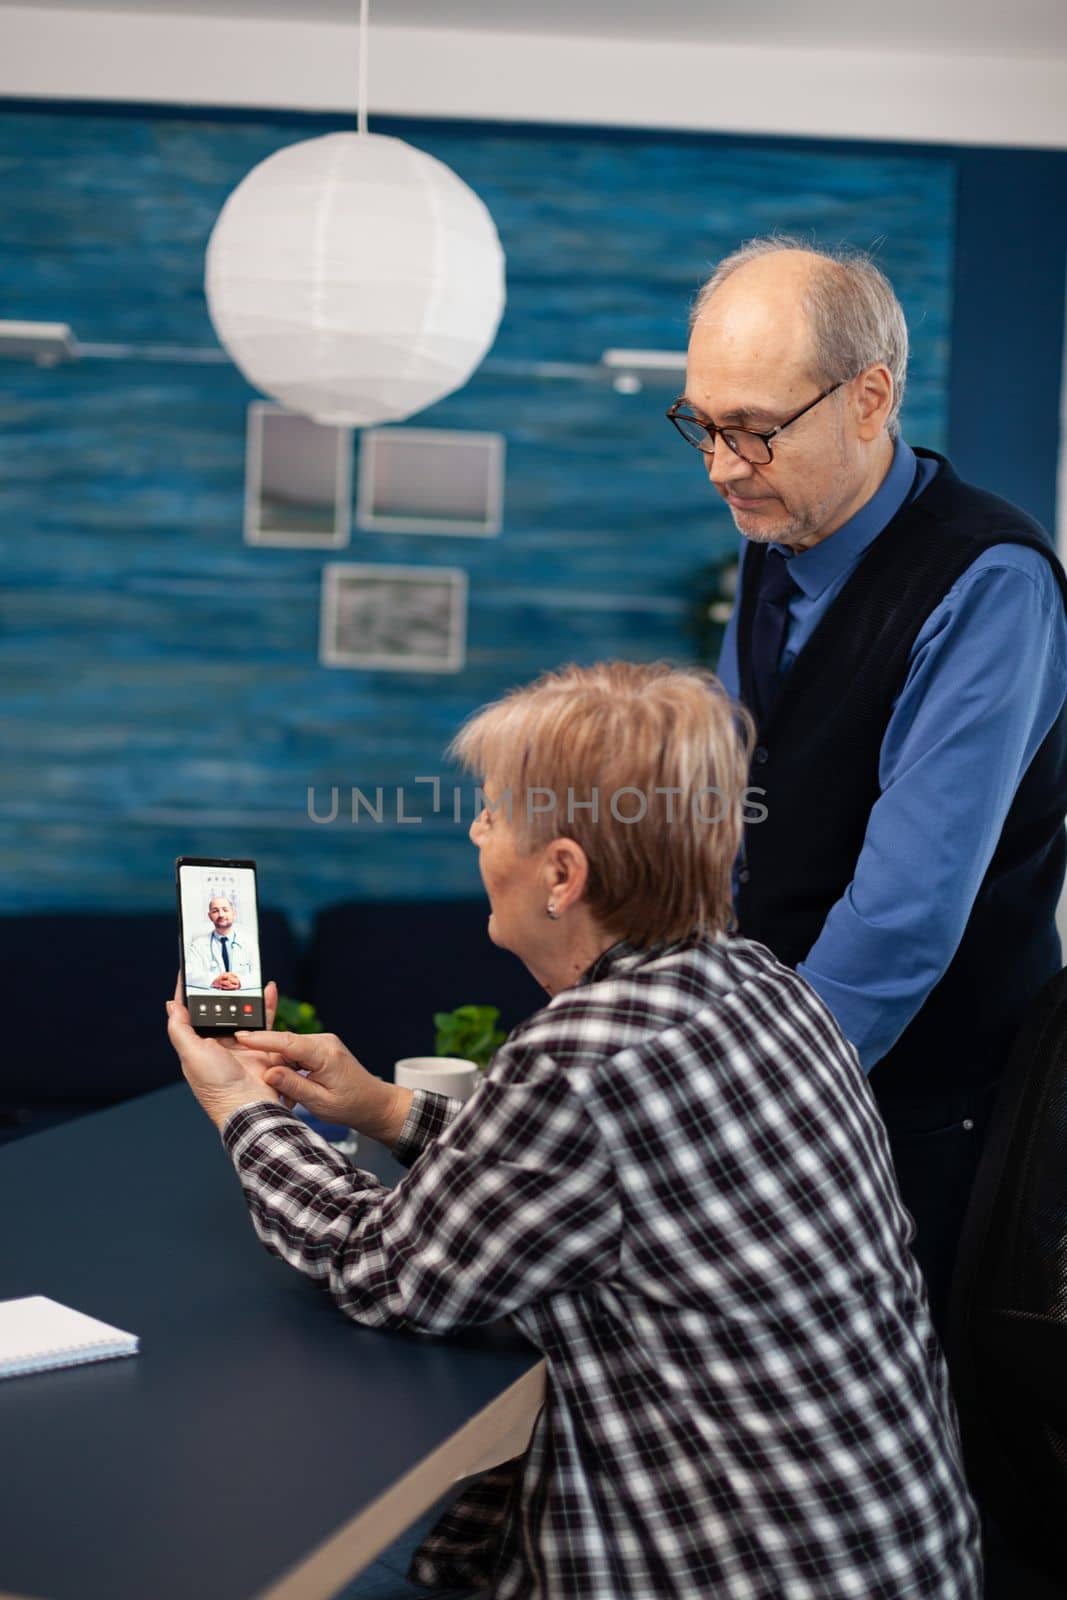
column 206, row 1012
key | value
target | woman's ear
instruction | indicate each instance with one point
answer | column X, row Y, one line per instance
column 566, row 873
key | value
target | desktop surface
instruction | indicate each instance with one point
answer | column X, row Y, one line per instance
column 256, row 1418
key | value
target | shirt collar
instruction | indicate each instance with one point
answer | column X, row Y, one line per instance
column 816, row 569
column 623, row 957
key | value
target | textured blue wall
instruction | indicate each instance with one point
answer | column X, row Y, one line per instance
column 1008, row 323
column 161, row 692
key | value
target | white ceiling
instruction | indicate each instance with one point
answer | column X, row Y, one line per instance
column 1025, row 28
column 988, row 72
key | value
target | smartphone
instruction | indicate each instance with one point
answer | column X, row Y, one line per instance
column 218, row 944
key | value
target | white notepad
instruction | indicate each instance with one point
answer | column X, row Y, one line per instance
column 37, row 1333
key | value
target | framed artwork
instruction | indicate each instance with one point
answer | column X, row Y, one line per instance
column 430, row 480
column 298, row 480
column 405, row 619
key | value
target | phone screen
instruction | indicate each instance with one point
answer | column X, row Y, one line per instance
column 219, row 938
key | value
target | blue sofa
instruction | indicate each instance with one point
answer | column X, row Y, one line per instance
column 378, row 972
column 86, row 1026
column 85, row 1021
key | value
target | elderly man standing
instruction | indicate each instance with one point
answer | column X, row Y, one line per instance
column 900, row 638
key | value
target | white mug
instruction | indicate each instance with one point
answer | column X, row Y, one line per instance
column 440, row 1074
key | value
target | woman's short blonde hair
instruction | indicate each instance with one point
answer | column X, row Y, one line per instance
column 643, row 766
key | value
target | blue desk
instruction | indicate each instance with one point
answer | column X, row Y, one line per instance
column 260, row 1444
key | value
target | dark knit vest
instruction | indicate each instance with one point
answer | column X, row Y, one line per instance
column 817, row 759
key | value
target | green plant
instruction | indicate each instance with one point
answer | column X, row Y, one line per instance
column 296, row 1016
column 713, row 588
column 469, row 1032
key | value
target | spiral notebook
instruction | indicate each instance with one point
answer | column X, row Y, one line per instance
column 37, row 1333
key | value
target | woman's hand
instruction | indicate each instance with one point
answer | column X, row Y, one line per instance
column 337, row 1088
column 221, row 1074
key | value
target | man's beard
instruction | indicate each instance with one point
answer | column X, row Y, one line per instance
column 795, row 526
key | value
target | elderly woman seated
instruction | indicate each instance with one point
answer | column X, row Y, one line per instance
column 672, row 1179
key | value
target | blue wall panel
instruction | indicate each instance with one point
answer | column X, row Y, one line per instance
column 1011, row 255
column 161, row 692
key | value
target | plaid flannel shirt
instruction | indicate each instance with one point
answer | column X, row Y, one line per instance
column 674, row 1181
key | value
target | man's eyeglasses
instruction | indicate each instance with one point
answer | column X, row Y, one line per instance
column 744, row 442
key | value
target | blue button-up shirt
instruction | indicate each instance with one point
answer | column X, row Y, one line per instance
column 987, row 676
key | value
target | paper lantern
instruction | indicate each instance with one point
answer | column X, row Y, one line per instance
column 354, row 278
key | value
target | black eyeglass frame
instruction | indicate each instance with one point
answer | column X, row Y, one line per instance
column 713, row 428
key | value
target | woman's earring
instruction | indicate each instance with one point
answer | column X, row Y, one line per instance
column 553, row 913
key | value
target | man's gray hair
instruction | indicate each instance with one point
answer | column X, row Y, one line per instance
column 856, row 319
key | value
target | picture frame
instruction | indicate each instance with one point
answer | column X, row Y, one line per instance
column 431, row 480
column 393, row 618
column 298, row 480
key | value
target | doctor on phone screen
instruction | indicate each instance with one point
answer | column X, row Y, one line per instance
column 219, row 959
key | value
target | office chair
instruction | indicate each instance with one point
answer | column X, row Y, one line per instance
column 1007, row 1326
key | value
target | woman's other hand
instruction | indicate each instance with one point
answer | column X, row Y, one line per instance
column 222, row 1074
column 336, row 1088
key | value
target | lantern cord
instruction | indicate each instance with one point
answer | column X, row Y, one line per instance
column 364, row 10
